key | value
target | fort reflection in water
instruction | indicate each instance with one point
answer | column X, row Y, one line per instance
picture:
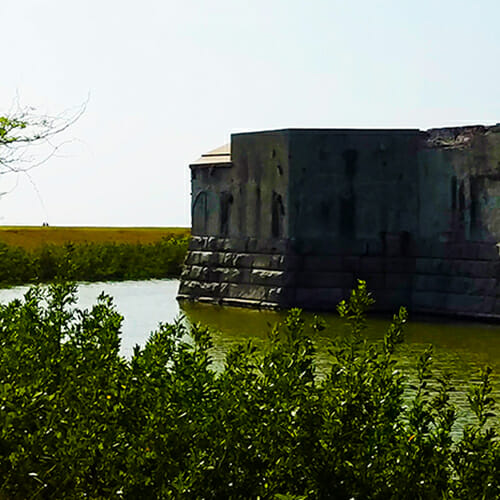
column 459, row 347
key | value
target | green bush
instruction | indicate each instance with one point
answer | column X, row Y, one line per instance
column 92, row 261
column 78, row 420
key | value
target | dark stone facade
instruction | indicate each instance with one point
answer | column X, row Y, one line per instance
column 295, row 217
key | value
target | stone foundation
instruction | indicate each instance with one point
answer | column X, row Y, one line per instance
column 232, row 272
column 453, row 280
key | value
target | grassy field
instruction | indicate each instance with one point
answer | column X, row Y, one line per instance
column 32, row 237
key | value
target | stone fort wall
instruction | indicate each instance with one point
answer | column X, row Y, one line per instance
column 295, row 217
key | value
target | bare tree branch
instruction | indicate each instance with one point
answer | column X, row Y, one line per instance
column 22, row 129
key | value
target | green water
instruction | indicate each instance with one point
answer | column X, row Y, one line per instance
column 460, row 348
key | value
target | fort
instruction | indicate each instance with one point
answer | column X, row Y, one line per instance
column 294, row 217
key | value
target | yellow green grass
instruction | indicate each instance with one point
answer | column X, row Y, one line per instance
column 32, row 237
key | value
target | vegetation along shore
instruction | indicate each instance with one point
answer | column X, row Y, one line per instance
column 79, row 420
column 42, row 254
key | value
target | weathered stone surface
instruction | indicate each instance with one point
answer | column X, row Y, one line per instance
column 267, row 277
column 325, row 279
column 322, row 263
column 225, row 275
column 246, row 291
column 372, row 265
column 399, row 281
column 391, row 300
column 428, row 300
column 351, row 264
column 294, row 217
column 322, row 297
column 401, row 265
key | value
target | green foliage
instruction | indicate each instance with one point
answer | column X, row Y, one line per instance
column 78, row 420
column 8, row 127
column 92, row 261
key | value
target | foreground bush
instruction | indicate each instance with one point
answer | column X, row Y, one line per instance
column 93, row 261
column 78, row 420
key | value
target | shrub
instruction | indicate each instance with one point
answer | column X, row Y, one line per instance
column 93, row 261
column 78, row 420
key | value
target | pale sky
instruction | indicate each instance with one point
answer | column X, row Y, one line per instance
column 169, row 81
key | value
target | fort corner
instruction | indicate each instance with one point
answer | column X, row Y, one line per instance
column 293, row 217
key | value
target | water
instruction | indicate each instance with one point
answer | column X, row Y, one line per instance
column 461, row 348
column 144, row 304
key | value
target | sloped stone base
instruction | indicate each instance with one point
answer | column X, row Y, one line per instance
column 452, row 280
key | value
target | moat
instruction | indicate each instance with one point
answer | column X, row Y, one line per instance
column 459, row 347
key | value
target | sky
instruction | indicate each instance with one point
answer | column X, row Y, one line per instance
column 165, row 81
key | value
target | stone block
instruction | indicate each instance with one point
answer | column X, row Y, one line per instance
column 374, row 248
column 267, row 261
column 275, row 294
column 235, row 245
column 433, row 266
column 470, row 251
column 392, row 245
column 374, row 281
column 462, row 303
column 422, row 248
column 272, row 245
column 212, row 243
column 483, row 286
column 276, row 261
column 191, row 258
column 209, row 288
column 440, row 250
column 291, row 262
column 487, row 269
column 473, row 268
column 266, row 277
column 320, row 297
column 206, row 258
column 322, row 263
column 430, row 282
column 243, row 260
column 459, row 284
column 252, row 245
column 245, row 291
column 372, row 265
column 223, row 289
column 488, row 305
column 226, row 274
column 225, row 244
column 197, row 273
column 398, row 281
column 428, row 301
column 227, row 259
column 424, row 265
column 262, row 261
column 310, row 279
column 494, row 268
column 197, row 243
column 351, row 264
column 391, row 300
column 400, row 265
column 487, row 251
column 185, row 288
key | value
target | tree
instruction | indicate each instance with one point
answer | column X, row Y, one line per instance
column 27, row 138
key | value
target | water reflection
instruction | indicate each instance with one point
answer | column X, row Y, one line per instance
column 460, row 348
column 466, row 342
